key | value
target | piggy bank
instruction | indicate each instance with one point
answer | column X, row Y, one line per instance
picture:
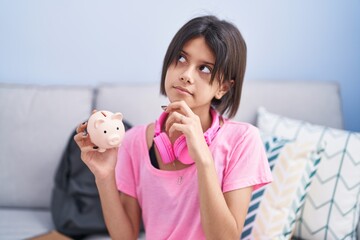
column 106, row 129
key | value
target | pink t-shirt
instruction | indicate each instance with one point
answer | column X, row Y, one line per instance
column 169, row 199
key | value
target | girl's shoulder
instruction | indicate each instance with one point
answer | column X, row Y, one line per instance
column 139, row 133
column 136, row 132
column 243, row 127
column 238, row 130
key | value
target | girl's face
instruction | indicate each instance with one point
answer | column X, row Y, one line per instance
column 188, row 78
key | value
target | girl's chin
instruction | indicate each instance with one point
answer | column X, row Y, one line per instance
column 179, row 98
column 171, row 100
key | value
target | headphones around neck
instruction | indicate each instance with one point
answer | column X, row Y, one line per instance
column 179, row 151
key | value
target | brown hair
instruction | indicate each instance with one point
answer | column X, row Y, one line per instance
column 229, row 48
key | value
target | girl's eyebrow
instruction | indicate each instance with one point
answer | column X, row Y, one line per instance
column 188, row 55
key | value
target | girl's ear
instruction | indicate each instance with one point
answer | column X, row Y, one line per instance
column 224, row 87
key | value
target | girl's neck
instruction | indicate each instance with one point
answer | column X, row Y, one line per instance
column 205, row 118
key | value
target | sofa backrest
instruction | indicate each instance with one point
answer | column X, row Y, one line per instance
column 316, row 102
column 35, row 124
column 140, row 104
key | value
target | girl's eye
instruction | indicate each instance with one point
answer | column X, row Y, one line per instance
column 181, row 59
column 205, row 69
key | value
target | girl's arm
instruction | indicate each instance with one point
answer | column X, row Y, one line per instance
column 222, row 215
column 121, row 212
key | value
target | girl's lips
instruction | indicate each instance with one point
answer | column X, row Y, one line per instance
column 182, row 90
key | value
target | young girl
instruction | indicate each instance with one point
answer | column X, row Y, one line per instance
column 190, row 174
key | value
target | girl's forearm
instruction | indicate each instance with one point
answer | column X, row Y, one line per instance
column 216, row 218
column 117, row 221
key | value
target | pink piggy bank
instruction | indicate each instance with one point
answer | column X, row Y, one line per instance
column 106, row 129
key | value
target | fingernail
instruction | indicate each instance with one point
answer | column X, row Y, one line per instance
column 95, row 147
column 164, row 107
column 83, row 123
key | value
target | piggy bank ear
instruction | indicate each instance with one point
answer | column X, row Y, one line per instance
column 117, row 116
column 98, row 122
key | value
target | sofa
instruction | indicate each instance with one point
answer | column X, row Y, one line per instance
column 37, row 121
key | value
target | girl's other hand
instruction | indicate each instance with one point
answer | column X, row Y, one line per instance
column 102, row 165
column 182, row 120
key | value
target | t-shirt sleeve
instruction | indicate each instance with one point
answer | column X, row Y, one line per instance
column 124, row 170
column 248, row 165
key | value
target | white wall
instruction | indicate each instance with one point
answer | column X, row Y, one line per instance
column 85, row 42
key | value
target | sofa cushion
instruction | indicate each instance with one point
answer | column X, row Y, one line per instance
column 24, row 223
column 274, row 207
column 331, row 209
column 35, row 123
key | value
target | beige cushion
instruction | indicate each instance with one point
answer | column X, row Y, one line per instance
column 274, row 207
column 332, row 206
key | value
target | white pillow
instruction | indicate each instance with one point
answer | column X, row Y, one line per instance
column 293, row 166
column 331, row 208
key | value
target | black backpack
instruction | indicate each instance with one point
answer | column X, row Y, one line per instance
column 75, row 203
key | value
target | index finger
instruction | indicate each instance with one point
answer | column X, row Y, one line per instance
column 180, row 105
column 81, row 127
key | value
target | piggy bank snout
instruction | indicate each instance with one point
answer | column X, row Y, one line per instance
column 114, row 140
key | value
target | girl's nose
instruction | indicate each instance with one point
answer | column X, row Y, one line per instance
column 186, row 76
